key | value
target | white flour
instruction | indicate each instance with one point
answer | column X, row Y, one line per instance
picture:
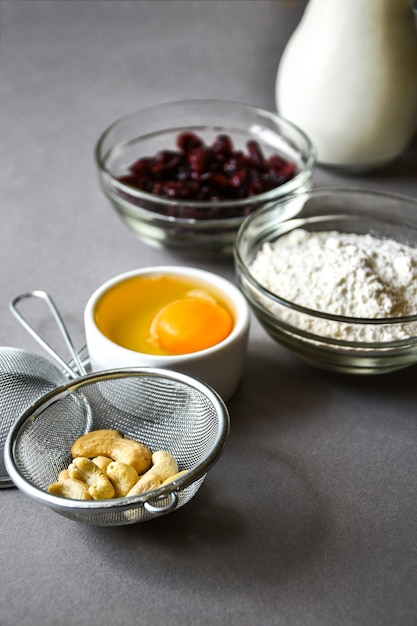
column 341, row 274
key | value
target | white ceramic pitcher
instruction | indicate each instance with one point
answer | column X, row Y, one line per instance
column 348, row 78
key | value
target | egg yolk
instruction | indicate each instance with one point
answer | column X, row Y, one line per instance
column 191, row 324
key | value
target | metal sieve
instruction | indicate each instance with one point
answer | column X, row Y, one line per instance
column 163, row 409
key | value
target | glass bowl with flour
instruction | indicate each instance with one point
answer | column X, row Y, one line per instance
column 337, row 284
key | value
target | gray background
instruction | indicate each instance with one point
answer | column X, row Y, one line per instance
column 309, row 517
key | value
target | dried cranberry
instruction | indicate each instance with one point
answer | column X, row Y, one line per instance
column 256, row 154
column 197, row 159
column 179, row 190
column 223, row 145
column 141, row 166
column 197, row 171
column 166, row 163
column 220, row 182
column 187, row 141
column 239, row 178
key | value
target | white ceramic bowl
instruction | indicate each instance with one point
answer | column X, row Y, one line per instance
column 219, row 366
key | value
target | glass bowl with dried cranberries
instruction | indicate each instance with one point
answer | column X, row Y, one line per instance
column 184, row 175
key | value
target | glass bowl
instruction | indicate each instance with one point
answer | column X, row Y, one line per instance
column 337, row 342
column 197, row 227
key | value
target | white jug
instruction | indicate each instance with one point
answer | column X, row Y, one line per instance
column 348, row 78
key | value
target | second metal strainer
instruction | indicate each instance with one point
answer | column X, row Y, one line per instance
column 26, row 376
column 161, row 408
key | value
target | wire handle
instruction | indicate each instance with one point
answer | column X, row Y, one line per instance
column 61, row 325
column 154, row 509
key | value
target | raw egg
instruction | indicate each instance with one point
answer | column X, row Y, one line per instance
column 191, row 324
column 164, row 315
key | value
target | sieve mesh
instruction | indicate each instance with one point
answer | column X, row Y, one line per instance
column 165, row 410
column 24, row 377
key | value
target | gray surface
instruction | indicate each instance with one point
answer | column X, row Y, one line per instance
column 310, row 516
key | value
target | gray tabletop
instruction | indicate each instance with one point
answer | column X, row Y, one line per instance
column 310, row 515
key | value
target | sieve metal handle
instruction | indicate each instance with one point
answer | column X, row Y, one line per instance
column 159, row 510
column 43, row 295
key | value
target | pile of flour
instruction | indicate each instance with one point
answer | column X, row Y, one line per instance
column 341, row 274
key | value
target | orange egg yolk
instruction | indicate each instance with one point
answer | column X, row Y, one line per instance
column 191, row 324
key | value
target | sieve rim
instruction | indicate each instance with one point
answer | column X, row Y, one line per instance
column 153, row 497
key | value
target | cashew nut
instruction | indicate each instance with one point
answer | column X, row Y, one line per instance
column 112, row 443
column 122, row 476
column 106, row 465
column 171, row 479
column 145, row 483
column 70, row 488
column 63, row 475
column 99, row 484
column 164, row 465
column 102, row 462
